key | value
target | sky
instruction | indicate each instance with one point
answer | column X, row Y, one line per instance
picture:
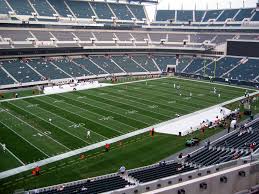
column 200, row 4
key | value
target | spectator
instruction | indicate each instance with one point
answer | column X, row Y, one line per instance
column 122, row 170
column 107, row 147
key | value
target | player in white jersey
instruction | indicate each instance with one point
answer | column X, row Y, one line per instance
column 4, row 147
column 88, row 134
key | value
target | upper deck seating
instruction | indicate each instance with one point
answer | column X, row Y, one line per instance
column 21, row 7
column 81, row 9
column 121, row 11
column 102, row 10
column 43, row 8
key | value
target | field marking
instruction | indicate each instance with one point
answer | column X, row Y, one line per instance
column 216, row 83
column 134, row 106
column 162, row 89
column 205, row 87
column 83, row 102
column 25, row 139
column 18, row 170
column 167, row 96
column 81, row 116
column 70, row 120
column 50, row 123
column 111, row 106
column 34, row 127
column 145, row 104
column 10, row 152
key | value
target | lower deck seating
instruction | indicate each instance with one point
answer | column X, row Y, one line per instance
column 92, row 186
column 160, row 171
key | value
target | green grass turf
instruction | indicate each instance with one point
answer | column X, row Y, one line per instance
column 134, row 152
column 22, row 93
column 107, row 112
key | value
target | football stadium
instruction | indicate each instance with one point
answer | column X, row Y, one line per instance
column 129, row 97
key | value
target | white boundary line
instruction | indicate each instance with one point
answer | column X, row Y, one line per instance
column 14, row 155
column 18, row 170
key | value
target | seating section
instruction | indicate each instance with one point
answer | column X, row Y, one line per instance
column 242, row 140
column 184, row 15
column 127, row 64
column 107, row 64
column 244, row 13
column 222, row 66
column 138, row 11
column 5, row 79
column 21, row 71
column 16, row 35
column 47, row 69
column 89, row 66
column 81, row 9
column 43, row 8
column 159, row 171
column 165, row 15
column 92, row 186
column 228, row 13
column 60, row 7
column 71, row 68
column 146, row 62
column 199, row 15
column 163, row 61
column 4, row 8
column 196, row 64
column 182, row 64
column 247, row 72
column 206, row 15
column 102, row 10
column 21, row 7
column 121, row 11
column 211, row 14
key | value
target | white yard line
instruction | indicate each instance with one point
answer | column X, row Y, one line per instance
column 36, row 129
column 100, row 114
column 25, row 139
column 10, row 152
column 136, row 106
column 111, row 110
column 80, row 115
column 51, row 124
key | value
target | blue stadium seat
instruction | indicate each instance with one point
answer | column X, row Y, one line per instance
column 164, row 15
column 60, row 7
column 71, row 68
column 196, row 64
column 222, row 66
column 88, row 65
column 5, row 79
column 228, row 13
column 121, row 11
column 184, row 15
column 46, row 69
column 127, row 64
column 106, row 64
column 21, row 71
column 246, row 72
column 138, row 11
column 43, row 8
column 199, row 15
column 21, row 7
column 163, row 61
column 256, row 16
column 81, row 9
column 211, row 14
column 102, row 10
column 244, row 13
column 4, row 8
column 146, row 62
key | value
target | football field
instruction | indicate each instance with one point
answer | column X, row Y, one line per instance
column 40, row 127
